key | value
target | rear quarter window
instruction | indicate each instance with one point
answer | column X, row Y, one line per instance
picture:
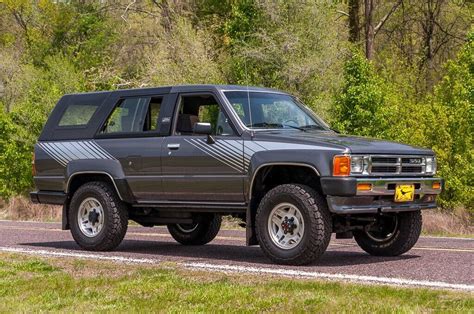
column 77, row 115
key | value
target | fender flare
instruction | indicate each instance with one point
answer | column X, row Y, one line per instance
column 68, row 183
column 257, row 169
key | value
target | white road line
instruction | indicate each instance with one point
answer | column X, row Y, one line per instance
column 340, row 277
column 120, row 259
column 251, row 270
column 446, row 238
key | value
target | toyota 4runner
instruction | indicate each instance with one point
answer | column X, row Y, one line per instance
column 183, row 156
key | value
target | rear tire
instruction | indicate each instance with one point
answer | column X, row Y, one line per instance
column 98, row 218
column 293, row 224
column 392, row 237
column 203, row 231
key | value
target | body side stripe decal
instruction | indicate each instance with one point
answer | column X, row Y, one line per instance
column 216, row 157
column 64, row 152
column 216, row 154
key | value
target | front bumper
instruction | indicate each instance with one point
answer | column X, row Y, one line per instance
column 344, row 198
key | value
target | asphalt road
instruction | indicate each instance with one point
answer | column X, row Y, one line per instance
column 445, row 262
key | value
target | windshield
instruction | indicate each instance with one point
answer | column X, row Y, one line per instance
column 272, row 111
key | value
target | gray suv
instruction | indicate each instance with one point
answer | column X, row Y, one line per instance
column 184, row 156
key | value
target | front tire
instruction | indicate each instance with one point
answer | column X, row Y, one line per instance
column 98, row 218
column 391, row 235
column 293, row 224
column 202, row 231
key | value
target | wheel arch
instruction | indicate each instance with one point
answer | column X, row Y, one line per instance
column 262, row 166
column 79, row 178
column 254, row 195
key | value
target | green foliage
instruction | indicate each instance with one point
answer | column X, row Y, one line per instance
column 450, row 122
column 359, row 106
column 15, row 160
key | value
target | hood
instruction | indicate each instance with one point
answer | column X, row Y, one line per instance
column 356, row 144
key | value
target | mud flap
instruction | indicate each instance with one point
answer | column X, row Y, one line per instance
column 65, row 222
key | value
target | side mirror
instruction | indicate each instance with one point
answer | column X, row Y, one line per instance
column 202, row 128
column 206, row 129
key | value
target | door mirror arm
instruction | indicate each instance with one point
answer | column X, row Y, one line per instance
column 210, row 139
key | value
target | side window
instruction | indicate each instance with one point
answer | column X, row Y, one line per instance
column 133, row 115
column 201, row 108
column 77, row 115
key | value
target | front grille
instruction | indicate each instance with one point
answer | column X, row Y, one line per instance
column 384, row 160
column 417, row 169
column 396, row 165
column 382, row 169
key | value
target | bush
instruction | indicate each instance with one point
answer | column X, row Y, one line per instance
column 449, row 127
column 360, row 104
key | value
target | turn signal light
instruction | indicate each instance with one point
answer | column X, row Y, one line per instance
column 436, row 186
column 341, row 166
column 364, row 187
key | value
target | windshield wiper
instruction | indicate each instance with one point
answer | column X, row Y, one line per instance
column 263, row 125
column 294, row 127
column 275, row 125
column 312, row 127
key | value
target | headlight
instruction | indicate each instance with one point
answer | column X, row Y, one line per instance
column 357, row 164
column 430, row 165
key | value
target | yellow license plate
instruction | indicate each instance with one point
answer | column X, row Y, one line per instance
column 404, row 193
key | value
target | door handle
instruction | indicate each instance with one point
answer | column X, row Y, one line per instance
column 173, row 146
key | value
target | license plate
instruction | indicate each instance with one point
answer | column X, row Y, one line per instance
column 404, row 193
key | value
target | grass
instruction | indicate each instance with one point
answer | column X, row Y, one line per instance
column 42, row 284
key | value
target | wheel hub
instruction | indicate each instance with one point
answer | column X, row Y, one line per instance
column 93, row 216
column 288, row 225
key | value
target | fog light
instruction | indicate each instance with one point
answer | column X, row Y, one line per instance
column 436, row 186
column 364, row 187
column 429, row 198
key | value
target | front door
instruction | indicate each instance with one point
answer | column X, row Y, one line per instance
column 196, row 170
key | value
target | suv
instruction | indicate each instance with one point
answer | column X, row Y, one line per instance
column 183, row 156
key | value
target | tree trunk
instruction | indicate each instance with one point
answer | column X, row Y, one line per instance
column 369, row 29
column 354, row 23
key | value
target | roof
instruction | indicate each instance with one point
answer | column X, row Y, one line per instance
column 189, row 88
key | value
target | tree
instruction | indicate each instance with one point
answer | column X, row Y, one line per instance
column 360, row 102
column 371, row 30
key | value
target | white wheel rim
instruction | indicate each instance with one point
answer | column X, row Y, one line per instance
column 185, row 229
column 90, row 217
column 286, row 226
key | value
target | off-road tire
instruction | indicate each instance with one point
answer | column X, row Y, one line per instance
column 208, row 226
column 115, row 221
column 317, row 222
column 405, row 237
